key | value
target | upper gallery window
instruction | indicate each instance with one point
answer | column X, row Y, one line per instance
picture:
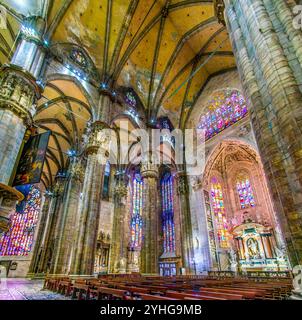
column 130, row 99
column 226, row 108
column 79, row 58
column 245, row 192
column 19, row 239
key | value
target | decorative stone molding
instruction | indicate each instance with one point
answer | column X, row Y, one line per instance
column 18, row 93
column 149, row 166
column 98, row 139
column 77, row 171
column 120, row 190
column 219, row 11
column 182, row 184
column 59, row 187
column 149, row 170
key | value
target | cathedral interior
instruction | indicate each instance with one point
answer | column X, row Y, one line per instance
column 81, row 77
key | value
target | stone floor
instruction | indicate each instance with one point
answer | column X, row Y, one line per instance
column 25, row 289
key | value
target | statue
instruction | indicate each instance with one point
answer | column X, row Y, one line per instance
column 253, row 248
column 233, row 260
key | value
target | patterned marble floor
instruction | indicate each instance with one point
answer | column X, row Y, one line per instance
column 25, row 289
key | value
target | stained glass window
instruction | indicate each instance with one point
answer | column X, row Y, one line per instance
column 130, row 99
column 19, row 239
column 219, row 214
column 168, row 227
column 226, row 108
column 105, row 194
column 245, row 193
column 137, row 207
column 78, row 57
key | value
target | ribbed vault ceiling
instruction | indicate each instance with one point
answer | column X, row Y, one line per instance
column 157, row 47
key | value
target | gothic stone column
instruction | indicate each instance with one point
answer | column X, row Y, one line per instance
column 89, row 208
column 18, row 95
column 186, row 224
column 150, row 252
column 67, row 220
column 48, row 238
column 119, row 240
column 269, row 77
column 42, row 226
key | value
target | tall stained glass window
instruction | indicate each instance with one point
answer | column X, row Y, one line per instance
column 168, row 227
column 226, row 108
column 219, row 213
column 137, row 207
column 106, row 181
column 19, row 239
column 245, row 193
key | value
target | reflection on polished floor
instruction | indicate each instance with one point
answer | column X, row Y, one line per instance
column 25, row 289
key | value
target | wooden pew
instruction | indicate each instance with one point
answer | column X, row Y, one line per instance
column 104, row 293
column 155, row 297
column 182, row 296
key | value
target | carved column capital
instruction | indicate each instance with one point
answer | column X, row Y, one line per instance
column 149, row 169
column 98, row 139
column 18, row 93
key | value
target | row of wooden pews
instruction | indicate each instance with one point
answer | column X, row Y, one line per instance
column 129, row 287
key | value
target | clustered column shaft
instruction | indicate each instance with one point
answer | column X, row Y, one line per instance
column 271, row 84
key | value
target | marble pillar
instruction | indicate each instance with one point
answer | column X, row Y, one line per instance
column 67, row 220
column 89, row 207
column 186, row 224
column 46, row 245
column 19, row 92
column 150, row 241
column 268, row 62
column 120, row 234
column 33, row 268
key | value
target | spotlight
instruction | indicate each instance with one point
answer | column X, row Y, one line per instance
column 71, row 153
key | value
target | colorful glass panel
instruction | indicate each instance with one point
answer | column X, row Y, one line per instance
column 79, row 58
column 226, row 108
column 245, row 193
column 168, row 226
column 220, row 215
column 137, row 207
column 19, row 239
column 130, row 99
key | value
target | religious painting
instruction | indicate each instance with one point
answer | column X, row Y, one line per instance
column 32, row 160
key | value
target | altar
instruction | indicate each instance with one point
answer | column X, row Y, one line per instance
column 257, row 249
